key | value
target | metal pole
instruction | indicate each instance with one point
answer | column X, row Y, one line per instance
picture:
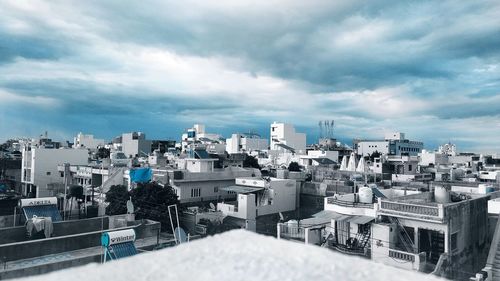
column 15, row 215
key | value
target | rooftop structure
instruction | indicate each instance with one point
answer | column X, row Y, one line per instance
column 392, row 144
column 284, row 137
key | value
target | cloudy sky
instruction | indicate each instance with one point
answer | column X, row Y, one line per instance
column 427, row 68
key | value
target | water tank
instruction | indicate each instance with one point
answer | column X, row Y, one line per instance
column 365, row 195
column 441, row 195
column 485, row 188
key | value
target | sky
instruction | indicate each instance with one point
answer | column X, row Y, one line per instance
column 430, row 69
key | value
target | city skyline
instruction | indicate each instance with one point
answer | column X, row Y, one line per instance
column 427, row 69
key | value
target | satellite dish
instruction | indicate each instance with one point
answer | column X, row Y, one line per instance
column 130, row 207
column 212, row 206
column 180, row 235
column 282, row 218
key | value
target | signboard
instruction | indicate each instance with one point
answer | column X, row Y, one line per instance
column 38, row 202
column 117, row 237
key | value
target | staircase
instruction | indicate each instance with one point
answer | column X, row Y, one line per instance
column 493, row 260
column 495, row 266
column 115, row 173
column 403, row 236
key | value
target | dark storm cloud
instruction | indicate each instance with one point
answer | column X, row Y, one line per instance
column 373, row 65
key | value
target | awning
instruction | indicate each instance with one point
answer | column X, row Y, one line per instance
column 286, row 147
column 122, row 250
column 241, row 189
column 361, row 219
column 324, row 161
column 42, row 211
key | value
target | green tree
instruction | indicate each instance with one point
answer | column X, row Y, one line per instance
column 294, row 167
column 102, row 153
column 151, row 201
column 251, row 162
column 117, row 197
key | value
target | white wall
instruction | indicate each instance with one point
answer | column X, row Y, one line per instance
column 286, row 134
column 366, row 148
column 44, row 164
column 87, row 141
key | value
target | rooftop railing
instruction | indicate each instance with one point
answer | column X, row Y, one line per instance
column 411, row 209
column 343, row 203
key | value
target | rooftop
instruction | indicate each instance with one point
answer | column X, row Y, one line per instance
column 233, row 256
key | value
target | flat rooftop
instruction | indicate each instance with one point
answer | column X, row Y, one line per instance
column 234, row 256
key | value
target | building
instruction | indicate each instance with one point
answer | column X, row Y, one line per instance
column 392, row 144
column 285, row 138
column 197, row 135
column 40, row 168
column 195, row 179
column 87, row 141
column 259, row 197
column 245, row 143
column 135, row 143
column 440, row 232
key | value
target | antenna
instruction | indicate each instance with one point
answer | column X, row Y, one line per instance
column 320, row 124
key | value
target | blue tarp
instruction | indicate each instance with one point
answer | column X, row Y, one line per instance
column 122, row 250
column 141, row 175
column 42, row 211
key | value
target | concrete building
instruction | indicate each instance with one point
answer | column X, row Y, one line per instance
column 392, row 144
column 196, row 179
column 245, row 143
column 40, row 168
column 198, row 135
column 259, row 197
column 135, row 143
column 284, row 137
column 441, row 232
column 319, row 158
column 87, row 141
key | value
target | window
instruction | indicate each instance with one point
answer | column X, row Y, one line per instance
column 216, row 189
column 48, row 173
column 409, row 168
column 195, row 192
column 454, row 241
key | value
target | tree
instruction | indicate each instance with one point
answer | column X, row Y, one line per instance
column 117, row 197
column 374, row 155
column 294, row 167
column 151, row 201
column 251, row 162
column 103, row 153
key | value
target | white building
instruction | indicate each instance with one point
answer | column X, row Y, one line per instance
column 448, row 149
column 87, row 141
column 245, row 143
column 319, row 157
column 259, row 197
column 284, row 137
column 392, row 144
column 135, row 143
column 433, row 158
column 197, row 180
column 39, row 167
column 197, row 134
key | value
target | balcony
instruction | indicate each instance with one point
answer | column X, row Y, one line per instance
column 349, row 204
column 335, row 201
column 413, row 210
column 289, row 231
column 407, row 260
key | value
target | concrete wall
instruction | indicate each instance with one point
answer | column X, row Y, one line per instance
column 18, row 233
column 55, row 245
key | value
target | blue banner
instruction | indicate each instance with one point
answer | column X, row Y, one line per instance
column 141, row 175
